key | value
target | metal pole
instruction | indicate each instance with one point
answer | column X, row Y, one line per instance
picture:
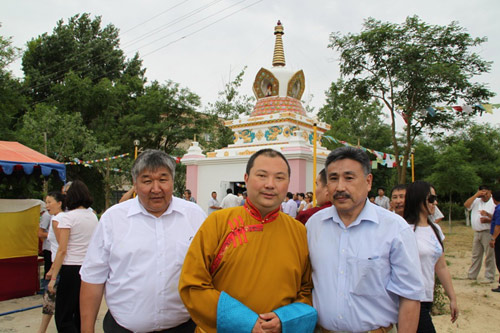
column 315, row 138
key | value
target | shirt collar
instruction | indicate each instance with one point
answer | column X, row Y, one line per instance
column 252, row 210
column 138, row 208
column 368, row 214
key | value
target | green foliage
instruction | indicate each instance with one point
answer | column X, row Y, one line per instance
column 62, row 135
column 230, row 105
column 353, row 119
column 81, row 46
column 412, row 66
column 452, row 174
column 12, row 102
column 163, row 117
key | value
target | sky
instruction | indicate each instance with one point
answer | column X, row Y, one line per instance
column 203, row 45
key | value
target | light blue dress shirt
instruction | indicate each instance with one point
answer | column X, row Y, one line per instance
column 360, row 271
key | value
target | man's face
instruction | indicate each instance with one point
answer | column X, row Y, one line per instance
column 380, row 192
column 267, row 183
column 398, row 201
column 322, row 196
column 186, row 195
column 214, row 195
column 486, row 195
column 348, row 186
column 154, row 189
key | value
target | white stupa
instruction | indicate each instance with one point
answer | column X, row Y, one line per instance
column 278, row 121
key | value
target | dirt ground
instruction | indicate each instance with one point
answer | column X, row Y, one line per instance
column 479, row 306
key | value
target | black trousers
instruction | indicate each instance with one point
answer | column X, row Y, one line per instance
column 497, row 256
column 67, row 314
column 425, row 324
column 110, row 325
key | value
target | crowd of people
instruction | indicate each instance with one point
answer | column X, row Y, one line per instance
column 265, row 260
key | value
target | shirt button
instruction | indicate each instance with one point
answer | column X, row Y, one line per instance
column 340, row 317
column 343, row 250
column 341, row 272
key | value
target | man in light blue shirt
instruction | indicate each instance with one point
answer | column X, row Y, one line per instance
column 366, row 268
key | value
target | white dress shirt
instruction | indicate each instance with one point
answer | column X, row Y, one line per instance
column 230, row 200
column 290, row 208
column 139, row 258
column 360, row 271
column 212, row 203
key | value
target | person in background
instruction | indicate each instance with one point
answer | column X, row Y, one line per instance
column 322, row 198
column 54, row 203
column 244, row 194
column 75, row 230
column 303, row 203
column 365, row 264
column 43, row 233
column 420, row 202
column 482, row 207
column 213, row 203
column 398, row 194
column 188, row 197
column 495, row 232
column 136, row 255
column 290, row 207
column 247, row 269
column 381, row 199
column 230, row 200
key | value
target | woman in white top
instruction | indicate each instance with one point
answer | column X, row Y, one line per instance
column 76, row 227
column 54, row 203
column 303, row 203
column 420, row 202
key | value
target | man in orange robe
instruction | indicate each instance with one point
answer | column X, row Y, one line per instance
column 248, row 268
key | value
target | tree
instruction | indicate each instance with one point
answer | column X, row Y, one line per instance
column 61, row 136
column 230, row 105
column 357, row 121
column 452, row 173
column 80, row 46
column 163, row 117
column 353, row 119
column 482, row 142
column 411, row 67
column 12, row 102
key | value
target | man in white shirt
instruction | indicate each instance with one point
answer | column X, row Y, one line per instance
column 381, row 199
column 230, row 200
column 290, row 207
column 137, row 252
column 213, row 203
column 482, row 207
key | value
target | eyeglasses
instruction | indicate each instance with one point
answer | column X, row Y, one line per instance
column 432, row 198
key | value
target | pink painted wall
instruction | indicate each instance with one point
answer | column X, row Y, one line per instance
column 192, row 180
column 298, row 178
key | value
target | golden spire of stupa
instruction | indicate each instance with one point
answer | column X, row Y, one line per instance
column 279, row 54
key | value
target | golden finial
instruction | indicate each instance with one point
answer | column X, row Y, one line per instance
column 279, row 54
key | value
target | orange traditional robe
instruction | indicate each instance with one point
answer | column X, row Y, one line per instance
column 262, row 262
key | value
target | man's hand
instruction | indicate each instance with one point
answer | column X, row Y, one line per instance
column 481, row 193
column 492, row 243
column 271, row 322
column 257, row 327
